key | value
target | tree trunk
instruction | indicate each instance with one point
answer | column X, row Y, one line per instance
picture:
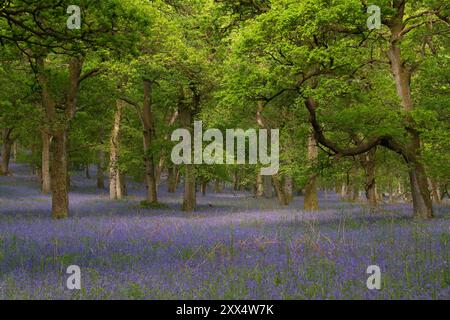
column 59, row 175
column 100, row 172
column 288, row 188
column 170, row 121
column 311, row 202
column 187, row 113
column 114, row 172
column 423, row 207
column 87, row 171
column 435, row 191
column 217, row 186
column 46, row 179
column 58, row 121
column 279, row 190
column 422, row 203
column 368, row 163
column 268, row 188
column 203, row 187
column 6, row 151
column 259, row 185
column 172, row 179
column 149, row 134
column 235, row 181
column 15, row 147
column 189, row 196
column 121, row 185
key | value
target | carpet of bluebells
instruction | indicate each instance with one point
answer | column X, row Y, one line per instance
column 233, row 247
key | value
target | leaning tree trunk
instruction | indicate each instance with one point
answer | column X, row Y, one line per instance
column 311, row 202
column 434, row 186
column 149, row 135
column 114, row 172
column 279, row 190
column 59, row 175
column 422, row 203
column 423, row 207
column 46, row 179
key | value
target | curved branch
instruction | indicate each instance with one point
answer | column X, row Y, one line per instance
column 384, row 140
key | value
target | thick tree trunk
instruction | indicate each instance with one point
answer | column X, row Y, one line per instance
column 114, row 173
column 311, row 202
column 149, row 134
column 58, row 120
column 45, row 170
column 121, row 185
column 423, row 207
column 422, row 203
column 59, row 175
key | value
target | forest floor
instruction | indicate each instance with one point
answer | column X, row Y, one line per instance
column 233, row 247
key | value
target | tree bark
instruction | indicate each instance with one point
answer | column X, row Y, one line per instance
column 217, row 186
column 114, row 172
column 259, row 185
column 100, row 171
column 172, row 179
column 189, row 196
column 422, row 203
column 149, row 135
column 59, row 175
column 279, row 190
column 368, row 163
column 268, row 188
column 6, row 151
column 203, row 187
column 187, row 113
column 14, row 148
column 435, row 191
column 311, row 202
column 288, row 188
column 46, row 179
column 87, row 171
